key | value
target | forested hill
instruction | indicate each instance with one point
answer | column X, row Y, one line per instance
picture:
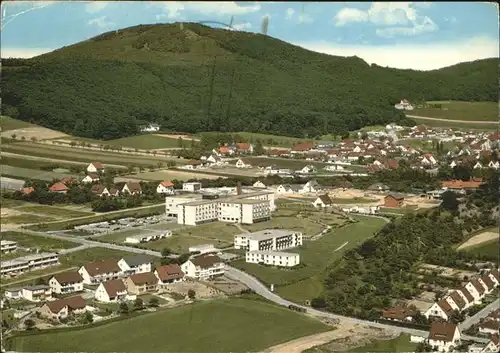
column 194, row 78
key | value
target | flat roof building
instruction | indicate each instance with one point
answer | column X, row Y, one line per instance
column 29, row 263
column 273, row 258
column 7, row 246
column 268, row 240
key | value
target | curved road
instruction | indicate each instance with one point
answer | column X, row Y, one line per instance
column 452, row 121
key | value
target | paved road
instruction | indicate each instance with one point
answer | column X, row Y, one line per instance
column 262, row 290
column 453, row 121
column 480, row 315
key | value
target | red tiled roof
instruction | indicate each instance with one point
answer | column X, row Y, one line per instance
column 98, row 165
column 114, row 286
column 467, row 294
column 223, row 149
column 167, row 183
column 302, row 147
column 479, row 287
column 67, row 180
column 170, row 272
column 443, row 304
column 398, row 313
column 58, row 187
column 442, row 331
column 102, row 267
column 488, row 281
column 459, row 184
column 73, row 303
column 28, row 190
column 458, row 300
column 68, row 277
column 206, row 261
column 140, row 279
column 242, row 146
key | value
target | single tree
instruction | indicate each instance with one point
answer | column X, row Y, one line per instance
column 449, row 201
column 166, row 252
column 153, row 302
column 191, row 294
column 13, row 136
column 123, row 309
column 138, row 304
column 29, row 324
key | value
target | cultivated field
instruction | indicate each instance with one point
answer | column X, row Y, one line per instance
column 470, row 126
column 284, row 162
column 455, row 110
column 57, row 212
column 7, row 123
column 400, row 344
column 170, row 174
column 230, row 325
column 146, row 142
column 29, row 132
column 25, row 173
column 478, row 239
column 304, row 283
column 488, row 250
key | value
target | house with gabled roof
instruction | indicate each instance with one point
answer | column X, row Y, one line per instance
column 494, row 275
column 91, row 178
column 100, row 271
column 476, row 290
column 171, row 273
column 141, row 283
column 66, row 282
column 95, row 167
column 285, row 189
column 61, row 308
column 59, row 188
column 100, row 190
column 111, row 291
column 203, row 267
column 165, row 187
column 137, row 263
column 323, row 201
column 444, row 336
column 243, row 163
column 401, row 314
column 456, row 302
column 440, row 309
column 132, row 188
column 243, row 147
column 302, row 147
column 487, row 283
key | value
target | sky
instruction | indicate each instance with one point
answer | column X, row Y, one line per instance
column 407, row 35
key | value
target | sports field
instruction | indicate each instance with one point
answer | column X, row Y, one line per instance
column 305, row 282
column 228, row 325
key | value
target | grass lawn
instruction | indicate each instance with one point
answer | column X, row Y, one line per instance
column 35, row 241
column 62, row 225
column 400, row 344
column 352, row 200
column 488, row 250
column 285, row 162
column 10, row 203
column 82, row 257
column 401, row 211
column 173, row 174
column 229, row 325
column 148, row 141
column 455, row 110
column 270, row 140
column 54, row 211
column 25, row 173
column 7, row 123
column 455, row 125
column 298, row 284
column 24, row 219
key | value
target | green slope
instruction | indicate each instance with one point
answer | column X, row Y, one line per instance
column 204, row 79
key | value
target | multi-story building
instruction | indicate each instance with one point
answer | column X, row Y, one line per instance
column 203, row 267
column 172, row 204
column 191, row 186
column 268, row 240
column 273, row 258
column 100, row 271
column 7, row 246
column 29, row 263
column 37, row 293
column 66, row 282
column 246, row 208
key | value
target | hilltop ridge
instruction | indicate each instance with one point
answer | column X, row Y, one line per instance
column 205, row 79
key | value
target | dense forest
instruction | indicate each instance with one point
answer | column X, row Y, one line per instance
column 198, row 78
column 382, row 269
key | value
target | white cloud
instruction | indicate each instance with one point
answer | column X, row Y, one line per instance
column 173, row 9
column 415, row 56
column 289, row 13
column 305, row 18
column 96, row 6
column 102, row 22
column 23, row 52
column 402, row 16
column 243, row 26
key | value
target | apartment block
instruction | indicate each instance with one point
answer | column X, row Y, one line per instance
column 273, row 258
column 7, row 246
column 29, row 263
column 246, row 208
column 268, row 240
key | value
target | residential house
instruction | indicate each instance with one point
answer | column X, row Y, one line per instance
column 302, row 148
column 489, row 326
column 37, row 293
column 13, row 293
column 244, row 147
column 61, row 308
column 307, row 169
column 132, row 264
column 323, row 201
column 460, row 185
column 111, row 291
column 203, row 267
column 394, row 200
column 224, row 150
column 273, row 170
column 192, row 165
column 378, row 187
column 67, row 180
column 132, row 188
column 214, row 160
column 493, row 345
column 334, row 167
column 481, row 290
column 59, row 188
column 91, row 178
column 494, row 276
column 28, row 190
column 165, row 187
column 401, row 314
column 286, row 189
column 441, row 309
column 474, row 292
column 100, row 271
column 243, row 163
column 168, row 274
column 100, row 190
column 311, row 186
column 456, row 302
column 444, row 336
column 259, row 184
column 494, row 165
column 141, row 283
column 487, row 283
column 193, row 186
column 466, row 296
column 66, row 282
column 478, row 165
column 95, row 167
column 152, row 127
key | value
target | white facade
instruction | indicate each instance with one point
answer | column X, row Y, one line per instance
column 200, row 272
column 37, row 293
column 29, row 263
column 59, row 288
column 246, row 208
column 269, row 239
column 14, row 293
column 165, row 189
column 273, row 258
column 191, row 187
column 89, row 179
column 102, row 277
column 92, row 168
column 241, row 164
column 445, row 345
column 146, row 238
column 473, row 291
column 129, row 269
column 203, row 248
column 172, row 204
column 7, row 246
column 259, row 184
column 102, row 295
column 436, row 311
